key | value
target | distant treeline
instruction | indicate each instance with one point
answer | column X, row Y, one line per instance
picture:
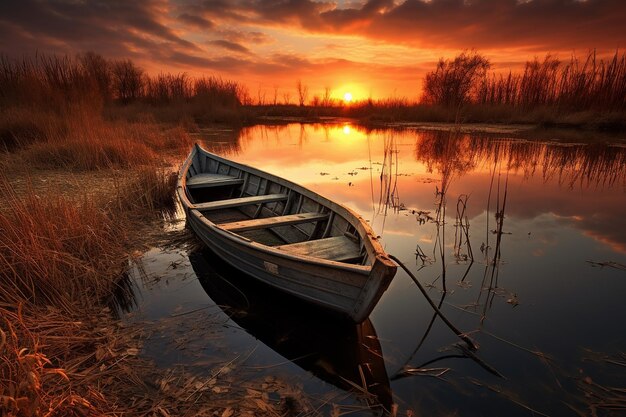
column 590, row 83
column 52, row 80
column 466, row 88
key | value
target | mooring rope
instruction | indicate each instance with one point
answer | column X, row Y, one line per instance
column 452, row 327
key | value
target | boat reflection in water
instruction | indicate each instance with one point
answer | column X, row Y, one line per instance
column 331, row 347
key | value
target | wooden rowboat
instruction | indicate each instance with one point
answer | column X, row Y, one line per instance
column 284, row 234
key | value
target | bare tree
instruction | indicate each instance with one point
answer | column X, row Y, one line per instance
column 286, row 97
column 275, row 101
column 303, row 92
column 127, row 80
column 260, row 96
column 98, row 70
column 326, row 99
column 454, row 82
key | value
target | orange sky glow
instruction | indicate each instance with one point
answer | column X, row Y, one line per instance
column 375, row 48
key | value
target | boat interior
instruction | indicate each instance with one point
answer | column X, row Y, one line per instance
column 266, row 210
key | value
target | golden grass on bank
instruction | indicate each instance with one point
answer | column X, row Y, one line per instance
column 150, row 190
column 55, row 364
column 92, row 144
column 83, row 141
column 55, row 251
column 21, row 126
column 59, row 259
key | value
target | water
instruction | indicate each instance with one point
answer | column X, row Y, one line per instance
column 522, row 243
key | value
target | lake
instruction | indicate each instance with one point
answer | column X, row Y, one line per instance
column 520, row 242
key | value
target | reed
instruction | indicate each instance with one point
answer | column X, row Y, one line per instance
column 60, row 258
column 87, row 142
column 150, row 190
column 43, row 81
column 88, row 145
column 20, row 127
column 54, row 251
column 575, row 92
column 578, row 84
column 62, row 84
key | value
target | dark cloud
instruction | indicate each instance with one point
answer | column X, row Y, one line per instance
column 224, row 63
column 231, row 46
column 197, row 21
column 245, row 37
column 537, row 24
column 545, row 24
column 116, row 28
column 305, row 13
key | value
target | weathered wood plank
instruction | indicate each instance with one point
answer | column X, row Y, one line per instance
column 241, row 201
column 338, row 248
column 212, row 180
column 269, row 222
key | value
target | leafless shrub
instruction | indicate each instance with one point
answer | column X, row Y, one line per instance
column 454, row 82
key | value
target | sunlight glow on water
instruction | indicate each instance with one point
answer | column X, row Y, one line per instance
column 530, row 250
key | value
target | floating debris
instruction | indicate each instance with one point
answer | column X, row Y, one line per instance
column 609, row 264
column 513, row 300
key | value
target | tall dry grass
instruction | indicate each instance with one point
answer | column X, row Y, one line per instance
column 20, row 127
column 84, row 141
column 580, row 91
column 62, row 85
column 60, row 258
column 47, row 81
column 577, row 84
column 150, row 190
column 62, row 254
column 52, row 364
column 56, row 251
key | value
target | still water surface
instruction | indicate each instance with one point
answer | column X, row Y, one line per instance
column 521, row 243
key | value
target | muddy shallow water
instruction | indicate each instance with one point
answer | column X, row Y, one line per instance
column 521, row 243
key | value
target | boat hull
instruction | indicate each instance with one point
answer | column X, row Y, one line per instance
column 350, row 289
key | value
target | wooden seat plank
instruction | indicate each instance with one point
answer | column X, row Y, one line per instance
column 269, row 222
column 338, row 248
column 212, row 180
column 238, row 202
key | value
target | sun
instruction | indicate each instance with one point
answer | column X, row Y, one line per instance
column 347, row 97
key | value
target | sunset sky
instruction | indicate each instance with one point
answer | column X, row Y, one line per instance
column 377, row 48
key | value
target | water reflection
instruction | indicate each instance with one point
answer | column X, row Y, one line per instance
column 379, row 163
column 123, row 299
column 335, row 350
column 500, row 230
